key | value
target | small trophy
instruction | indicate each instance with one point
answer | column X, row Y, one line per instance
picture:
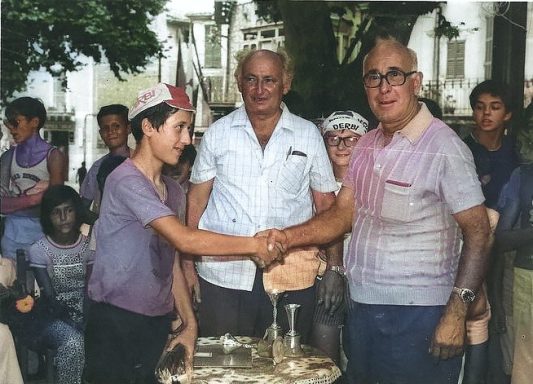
column 291, row 341
column 264, row 346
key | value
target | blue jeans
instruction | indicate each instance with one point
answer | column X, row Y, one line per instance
column 389, row 344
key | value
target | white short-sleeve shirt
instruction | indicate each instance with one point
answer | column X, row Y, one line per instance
column 254, row 189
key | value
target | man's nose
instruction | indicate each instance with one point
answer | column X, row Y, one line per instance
column 63, row 215
column 384, row 86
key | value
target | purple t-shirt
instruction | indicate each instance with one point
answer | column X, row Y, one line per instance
column 133, row 264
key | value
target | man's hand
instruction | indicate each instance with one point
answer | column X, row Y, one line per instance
column 186, row 337
column 449, row 337
column 331, row 292
column 268, row 252
column 276, row 238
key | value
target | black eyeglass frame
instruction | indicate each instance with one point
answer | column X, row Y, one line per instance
column 385, row 76
column 351, row 139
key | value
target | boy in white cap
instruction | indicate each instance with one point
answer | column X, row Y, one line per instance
column 341, row 131
column 137, row 283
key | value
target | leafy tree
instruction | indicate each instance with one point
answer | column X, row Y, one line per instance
column 52, row 34
column 322, row 84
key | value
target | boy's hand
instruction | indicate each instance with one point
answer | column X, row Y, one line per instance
column 186, row 337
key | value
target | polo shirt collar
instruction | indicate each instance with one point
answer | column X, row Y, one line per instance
column 418, row 125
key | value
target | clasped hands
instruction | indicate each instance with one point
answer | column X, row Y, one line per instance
column 274, row 248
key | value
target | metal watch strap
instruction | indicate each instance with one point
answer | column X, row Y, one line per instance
column 339, row 269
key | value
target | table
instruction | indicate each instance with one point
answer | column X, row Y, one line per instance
column 314, row 368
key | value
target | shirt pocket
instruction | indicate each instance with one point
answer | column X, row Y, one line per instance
column 396, row 204
column 292, row 174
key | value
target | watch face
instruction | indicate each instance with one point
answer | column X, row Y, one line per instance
column 467, row 295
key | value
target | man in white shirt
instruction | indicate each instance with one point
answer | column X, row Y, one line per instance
column 259, row 167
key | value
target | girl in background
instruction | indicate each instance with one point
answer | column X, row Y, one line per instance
column 61, row 261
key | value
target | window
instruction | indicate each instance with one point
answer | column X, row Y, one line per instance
column 456, row 60
column 212, row 47
column 266, row 37
column 488, row 46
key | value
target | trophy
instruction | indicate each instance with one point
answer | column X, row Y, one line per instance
column 291, row 341
column 264, row 346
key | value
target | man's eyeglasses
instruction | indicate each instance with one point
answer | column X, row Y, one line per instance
column 334, row 141
column 394, row 77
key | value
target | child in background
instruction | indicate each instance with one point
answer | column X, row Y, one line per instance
column 61, row 262
column 341, row 131
column 495, row 158
column 26, row 171
column 515, row 232
column 114, row 130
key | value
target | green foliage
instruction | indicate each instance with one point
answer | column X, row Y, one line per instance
column 52, row 34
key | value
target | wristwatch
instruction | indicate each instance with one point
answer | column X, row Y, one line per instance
column 466, row 295
column 337, row 269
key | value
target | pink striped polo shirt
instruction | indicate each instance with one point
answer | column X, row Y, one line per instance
column 405, row 244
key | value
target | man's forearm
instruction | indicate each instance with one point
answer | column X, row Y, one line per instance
column 324, row 228
column 477, row 242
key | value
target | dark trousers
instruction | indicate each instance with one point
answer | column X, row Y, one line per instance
column 123, row 347
column 245, row 313
column 389, row 344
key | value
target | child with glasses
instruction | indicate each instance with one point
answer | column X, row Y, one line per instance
column 27, row 170
column 341, row 131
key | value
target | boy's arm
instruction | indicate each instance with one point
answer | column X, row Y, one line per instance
column 182, row 302
column 200, row 242
column 33, row 197
column 197, row 199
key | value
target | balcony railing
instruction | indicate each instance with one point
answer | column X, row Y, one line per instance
column 452, row 95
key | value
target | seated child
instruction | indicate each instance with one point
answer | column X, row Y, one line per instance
column 61, row 261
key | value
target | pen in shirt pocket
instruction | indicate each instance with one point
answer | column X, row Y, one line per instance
column 398, row 183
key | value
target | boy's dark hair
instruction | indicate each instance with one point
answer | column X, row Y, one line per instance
column 156, row 115
column 54, row 196
column 28, row 107
column 493, row 88
column 113, row 109
column 107, row 166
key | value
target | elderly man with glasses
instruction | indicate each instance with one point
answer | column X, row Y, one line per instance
column 410, row 195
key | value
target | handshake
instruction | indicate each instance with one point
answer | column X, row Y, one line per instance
column 273, row 246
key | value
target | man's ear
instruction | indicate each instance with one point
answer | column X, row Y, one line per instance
column 417, row 81
column 238, row 79
column 129, row 127
column 147, row 127
column 287, row 82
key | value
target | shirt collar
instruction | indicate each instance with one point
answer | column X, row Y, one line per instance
column 418, row 125
column 241, row 118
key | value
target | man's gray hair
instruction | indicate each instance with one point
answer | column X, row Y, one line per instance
column 395, row 43
column 287, row 66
